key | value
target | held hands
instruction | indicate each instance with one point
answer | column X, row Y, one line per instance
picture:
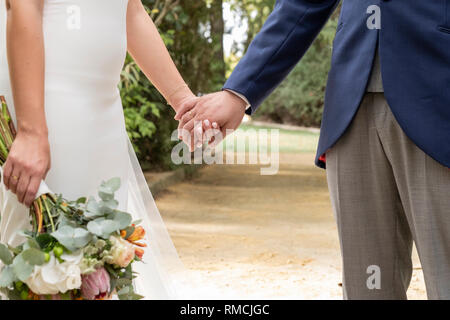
column 27, row 164
column 220, row 111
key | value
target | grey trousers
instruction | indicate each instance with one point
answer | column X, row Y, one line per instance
column 387, row 193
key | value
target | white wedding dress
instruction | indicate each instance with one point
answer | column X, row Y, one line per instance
column 85, row 49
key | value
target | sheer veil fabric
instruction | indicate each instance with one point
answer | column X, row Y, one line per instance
column 85, row 48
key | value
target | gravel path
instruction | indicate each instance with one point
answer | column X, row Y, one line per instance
column 249, row 236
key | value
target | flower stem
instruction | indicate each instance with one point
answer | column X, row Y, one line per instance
column 49, row 214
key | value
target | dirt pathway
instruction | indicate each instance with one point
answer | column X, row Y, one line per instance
column 267, row 237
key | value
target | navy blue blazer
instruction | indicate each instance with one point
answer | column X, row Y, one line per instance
column 414, row 47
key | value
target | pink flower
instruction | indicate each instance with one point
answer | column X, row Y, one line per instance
column 95, row 285
column 122, row 252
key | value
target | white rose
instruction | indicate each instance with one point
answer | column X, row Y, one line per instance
column 55, row 277
column 38, row 284
column 51, row 271
column 72, row 279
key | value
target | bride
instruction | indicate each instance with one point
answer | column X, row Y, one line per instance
column 64, row 59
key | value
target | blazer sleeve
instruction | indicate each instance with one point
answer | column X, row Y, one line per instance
column 283, row 40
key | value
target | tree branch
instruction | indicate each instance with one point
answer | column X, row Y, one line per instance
column 168, row 5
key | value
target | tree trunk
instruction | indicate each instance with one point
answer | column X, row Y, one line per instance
column 217, row 32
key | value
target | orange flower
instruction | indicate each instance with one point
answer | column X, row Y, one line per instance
column 138, row 234
column 139, row 252
column 133, row 238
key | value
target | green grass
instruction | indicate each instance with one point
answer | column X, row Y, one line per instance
column 290, row 141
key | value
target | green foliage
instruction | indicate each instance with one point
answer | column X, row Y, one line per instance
column 254, row 12
column 192, row 32
column 72, row 238
column 143, row 106
column 34, row 256
column 81, row 227
column 7, row 277
column 5, row 255
column 299, row 99
column 22, row 268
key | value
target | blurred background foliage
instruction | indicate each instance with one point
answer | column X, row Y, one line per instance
column 299, row 99
column 193, row 31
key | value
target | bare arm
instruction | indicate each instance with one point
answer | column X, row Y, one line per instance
column 148, row 50
column 29, row 158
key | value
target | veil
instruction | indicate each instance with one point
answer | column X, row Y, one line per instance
column 162, row 275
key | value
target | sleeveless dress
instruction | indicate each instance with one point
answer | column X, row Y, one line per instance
column 85, row 49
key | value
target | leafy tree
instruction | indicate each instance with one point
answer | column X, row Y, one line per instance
column 299, row 99
column 193, row 33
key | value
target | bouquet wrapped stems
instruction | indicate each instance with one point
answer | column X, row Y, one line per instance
column 7, row 131
column 41, row 209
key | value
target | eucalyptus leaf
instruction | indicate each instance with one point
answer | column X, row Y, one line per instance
column 122, row 218
column 108, row 206
column 103, row 227
column 5, row 255
column 31, row 243
column 34, row 257
column 72, row 238
column 93, row 209
column 15, row 250
column 25, row 233
column 108, row 188
column 113, row 184
column 7, row 277
column 105, row 196
column 22, row 268
column 64, row 221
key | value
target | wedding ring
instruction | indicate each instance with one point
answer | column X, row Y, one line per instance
column 15, row 177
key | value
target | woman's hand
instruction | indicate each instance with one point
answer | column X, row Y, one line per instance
column 27, row 164
column 181, row 97
column 29, row 158
column 222, row 111
column 180, row 100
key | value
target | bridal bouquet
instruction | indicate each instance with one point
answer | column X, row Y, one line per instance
column 75, row 250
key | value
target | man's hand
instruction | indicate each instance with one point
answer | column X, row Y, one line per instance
column 27, row 164
column 223, row 108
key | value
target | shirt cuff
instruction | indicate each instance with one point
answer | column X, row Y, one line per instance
column 240, row 96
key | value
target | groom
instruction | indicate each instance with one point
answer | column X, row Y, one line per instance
column 385, row 136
